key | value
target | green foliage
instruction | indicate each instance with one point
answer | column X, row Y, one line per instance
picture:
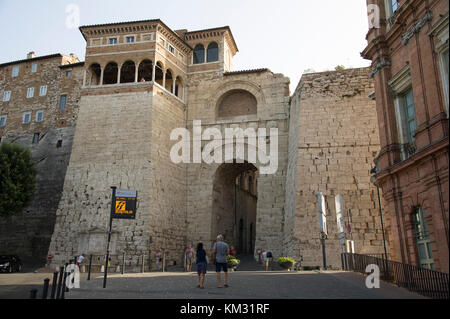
column 286, row 260
column 233, row 261
column 17, row 178
column 339, row 68
column 309, row 71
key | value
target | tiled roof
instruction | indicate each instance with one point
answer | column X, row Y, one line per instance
column 247, row 71
column 44, row 57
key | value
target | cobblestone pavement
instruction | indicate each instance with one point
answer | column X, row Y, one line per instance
column 243, row 285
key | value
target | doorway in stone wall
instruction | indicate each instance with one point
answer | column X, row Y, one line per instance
column 234, row 206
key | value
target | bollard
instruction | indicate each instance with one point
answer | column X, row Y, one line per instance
column 33, row 294
column 89, row 269
column 55, row 279
column 61, row 274
column 123, row 263
column 64, row 289
column 143, row 266
column 45, row 291
column 164, row 261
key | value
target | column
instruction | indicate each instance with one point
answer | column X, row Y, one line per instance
column 119, row 71
column 174, row 82
column 84, row 77
column 154, row 73
column 136, row 74
column 101, row 76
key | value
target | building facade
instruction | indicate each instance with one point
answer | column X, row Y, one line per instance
column 409, row 50
column 38, row 108
column 142, row 83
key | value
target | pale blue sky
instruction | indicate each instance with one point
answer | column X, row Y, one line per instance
column 286, row 36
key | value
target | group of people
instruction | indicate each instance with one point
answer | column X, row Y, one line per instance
column 219, row 257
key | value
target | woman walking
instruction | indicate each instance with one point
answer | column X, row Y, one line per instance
column 202, row 264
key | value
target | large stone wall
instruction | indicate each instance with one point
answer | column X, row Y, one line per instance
column 122, row 140
column 338, row 139
column 272, row 94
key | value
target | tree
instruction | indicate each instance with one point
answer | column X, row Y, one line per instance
column 17, row 178
column 340, row 68
column 309, row 71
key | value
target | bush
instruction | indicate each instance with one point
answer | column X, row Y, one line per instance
column 17, row 178
column 233, row 261
column 286, row 260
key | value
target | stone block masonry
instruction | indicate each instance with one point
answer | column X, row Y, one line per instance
column 333, row 141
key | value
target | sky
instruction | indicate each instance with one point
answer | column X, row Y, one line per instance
column 286, row 36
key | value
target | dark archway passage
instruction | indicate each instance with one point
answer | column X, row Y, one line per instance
column 235, row 205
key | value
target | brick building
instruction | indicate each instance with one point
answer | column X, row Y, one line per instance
column 409, row 51
column 140, row 81
column 38, row 108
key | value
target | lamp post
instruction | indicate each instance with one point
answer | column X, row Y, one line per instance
column 374, row 181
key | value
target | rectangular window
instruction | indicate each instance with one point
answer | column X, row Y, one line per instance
column 26, row 118
column 391, row 7
column 171, row 49
column 130, row 39
column 63, row 102
column 34, row 68
column 68, row 74
column 2, row 121
column 39, row 116
column 43, row 90
column 445, row 78
column 15, row 71
column 113, row 41
column 30, row 93
column 423, row 239
column 6, row 96
column 36, row 138
column 410, row 115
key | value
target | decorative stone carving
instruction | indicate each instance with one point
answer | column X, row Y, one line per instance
column 417, row 27
column 380, row 63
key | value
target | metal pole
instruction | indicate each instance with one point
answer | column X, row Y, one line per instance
column 113, row 201
column 45, row 291
column 324, row 252
column 89, row 269
column 64, row 288
column 143, row 265
column 123, row 263
column 382, row 230
column 164, row 261
column 54, row 283
column 61, row 274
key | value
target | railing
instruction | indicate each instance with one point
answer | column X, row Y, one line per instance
column 426, row 282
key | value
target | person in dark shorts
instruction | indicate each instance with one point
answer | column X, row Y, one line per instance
column 202, row 264
column 221, row 251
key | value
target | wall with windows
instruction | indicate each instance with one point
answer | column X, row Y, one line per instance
column 36, row 121
column 410, row 70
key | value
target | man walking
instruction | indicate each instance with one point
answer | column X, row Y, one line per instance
column 221, row 251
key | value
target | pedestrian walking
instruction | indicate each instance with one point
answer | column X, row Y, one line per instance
column 80, row 260
column 158, row 259
column 221, row 251
column 202, row 265
column 189, row 253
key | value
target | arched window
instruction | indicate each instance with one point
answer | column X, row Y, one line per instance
column 179, row 87
column 213, row 52
column 169, row 80
column 159, row 73
column 145, row 72
column 199, row 54
column 237, row 103
column 423, row 239
column 93, row 75
column 110, row 73
column 128, row 72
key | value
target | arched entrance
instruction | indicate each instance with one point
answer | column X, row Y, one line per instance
column 235, row 204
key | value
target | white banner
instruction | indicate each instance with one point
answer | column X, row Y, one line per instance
column 322, row 213
column 340, row 214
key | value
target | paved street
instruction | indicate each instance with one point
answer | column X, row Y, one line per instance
column 243, row 285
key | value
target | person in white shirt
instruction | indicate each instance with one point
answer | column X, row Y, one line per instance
column 80, row 260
